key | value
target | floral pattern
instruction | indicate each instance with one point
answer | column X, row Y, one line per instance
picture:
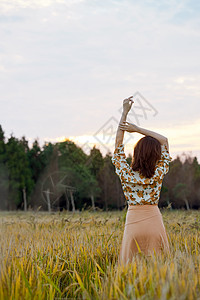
column 138, row 189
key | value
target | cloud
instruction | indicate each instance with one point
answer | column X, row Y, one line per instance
column 9, row 5
column 67, row 65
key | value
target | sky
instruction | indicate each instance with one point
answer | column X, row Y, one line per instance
column 67, row 65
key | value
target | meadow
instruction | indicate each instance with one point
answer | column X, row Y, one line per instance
column 74, row 256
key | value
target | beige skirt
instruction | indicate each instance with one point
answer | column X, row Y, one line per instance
column 144, row 232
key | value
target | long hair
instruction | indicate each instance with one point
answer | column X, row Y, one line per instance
column 147, row 152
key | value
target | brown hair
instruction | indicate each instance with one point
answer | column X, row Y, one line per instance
column 147, row 152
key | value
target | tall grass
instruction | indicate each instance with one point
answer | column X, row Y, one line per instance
column 75, row 256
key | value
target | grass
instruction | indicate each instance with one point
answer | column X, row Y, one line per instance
column 74, row 256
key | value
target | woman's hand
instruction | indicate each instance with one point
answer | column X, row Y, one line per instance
column 127, row 103
column 130, row 127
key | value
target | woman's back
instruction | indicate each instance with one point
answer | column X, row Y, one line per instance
column 138, row 189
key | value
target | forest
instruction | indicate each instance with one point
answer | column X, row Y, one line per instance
column 61, row 176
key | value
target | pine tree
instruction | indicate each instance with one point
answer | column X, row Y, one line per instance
column 20, row 181
column 3, row 173
column 37, row 160
column 95, row 161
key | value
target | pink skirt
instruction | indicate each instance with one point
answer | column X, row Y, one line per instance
column 144, row 232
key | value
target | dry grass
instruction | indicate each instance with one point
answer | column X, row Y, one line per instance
column 66, row 256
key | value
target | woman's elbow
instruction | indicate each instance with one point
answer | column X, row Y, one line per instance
column 164, row 141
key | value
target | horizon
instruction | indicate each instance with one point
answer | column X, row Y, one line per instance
column 128, row 147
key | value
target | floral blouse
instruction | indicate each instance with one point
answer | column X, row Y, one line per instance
column 138, row 189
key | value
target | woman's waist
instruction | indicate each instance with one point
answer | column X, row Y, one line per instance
column 138, row 213
column 143, row 209
column 142, row 206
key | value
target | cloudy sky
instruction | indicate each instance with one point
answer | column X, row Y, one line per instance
column 67, row 65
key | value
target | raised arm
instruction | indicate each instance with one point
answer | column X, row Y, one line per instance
column 120, row 133
column 161, row 138
column 134, row 128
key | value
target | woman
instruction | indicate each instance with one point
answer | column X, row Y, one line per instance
column 141, row 183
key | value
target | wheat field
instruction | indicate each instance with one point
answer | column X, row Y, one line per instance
column 74, row 256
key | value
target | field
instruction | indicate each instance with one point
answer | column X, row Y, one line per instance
column 74, row 256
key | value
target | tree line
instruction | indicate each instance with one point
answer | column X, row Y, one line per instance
column 61, row 176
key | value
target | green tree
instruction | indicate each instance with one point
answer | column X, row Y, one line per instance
column 112, row 195
column 95, row 161
column 47, row 153
column 181, row 192
column 3, row 173
column 86, row 184
column 44, row 162
column 70, row 154
column 37, row 160
column 20, row 181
